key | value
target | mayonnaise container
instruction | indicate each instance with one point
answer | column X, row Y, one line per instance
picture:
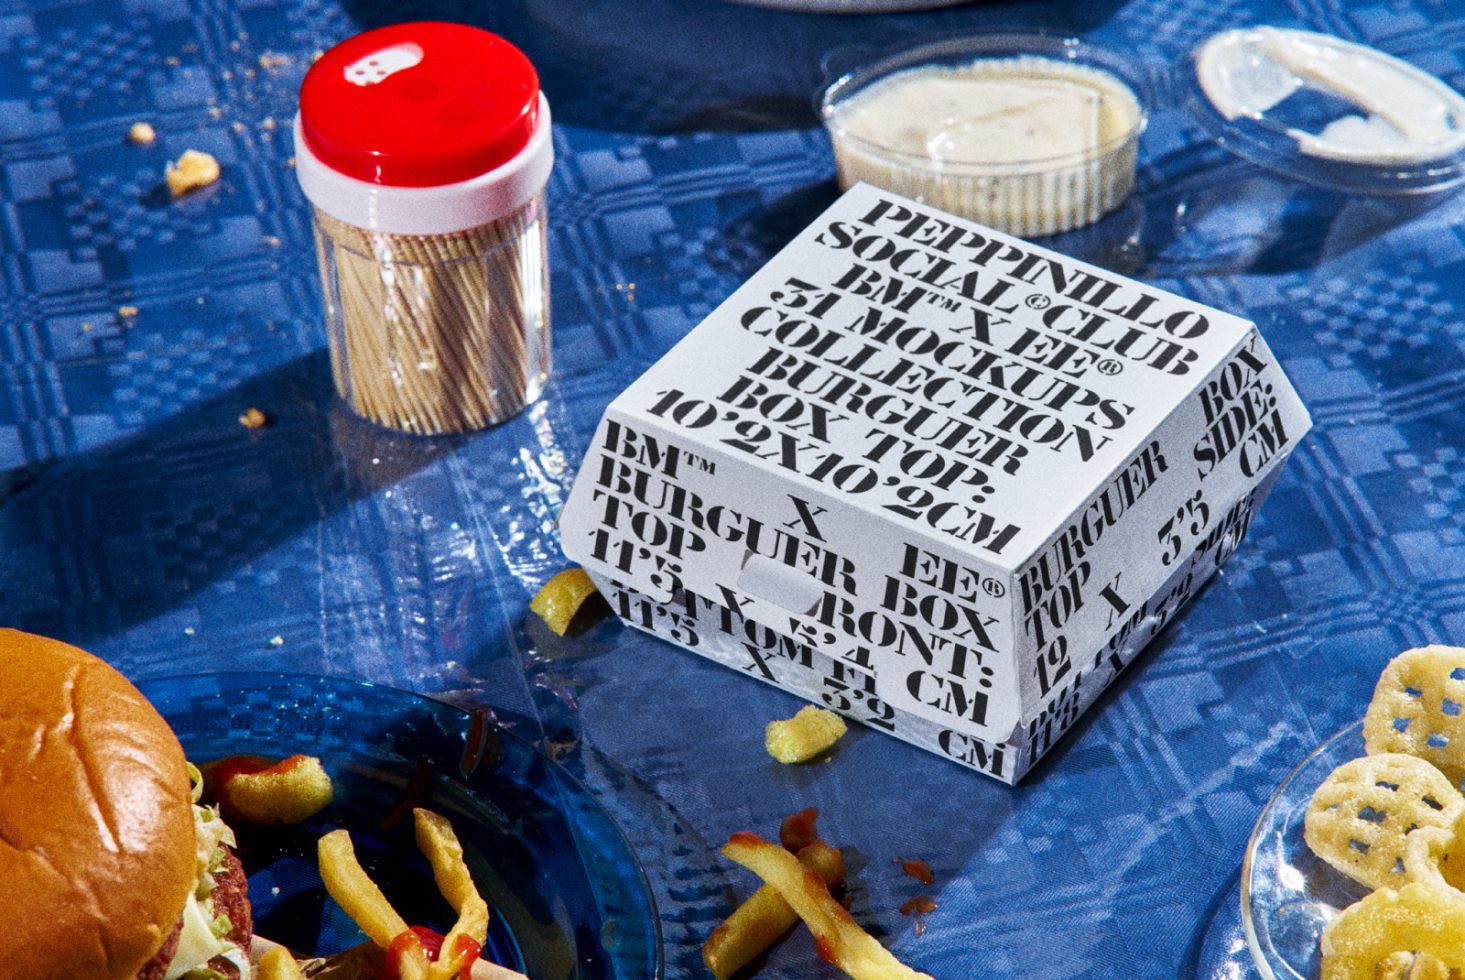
column 1328, row 111
column 1031, row 134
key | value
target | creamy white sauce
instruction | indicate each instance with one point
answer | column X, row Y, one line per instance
column 994, row 111
column 1403, row 114
column 1025, row 143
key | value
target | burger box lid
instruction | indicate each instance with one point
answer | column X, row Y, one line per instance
column 954, row 465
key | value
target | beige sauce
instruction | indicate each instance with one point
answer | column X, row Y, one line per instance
column 1028, row 144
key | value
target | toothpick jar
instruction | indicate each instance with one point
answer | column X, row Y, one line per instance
column 424, row 150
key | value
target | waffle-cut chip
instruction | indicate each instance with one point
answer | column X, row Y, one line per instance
column 1412, row 966
column 1418, row 708
column 1360, row 815
column 1436, row 855
column 1417, row 918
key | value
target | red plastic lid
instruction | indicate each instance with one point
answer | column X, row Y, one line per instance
column 419, row 104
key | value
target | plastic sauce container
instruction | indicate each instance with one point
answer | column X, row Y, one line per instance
column 1332, row 112
column 1026, row 133
column 424, row 149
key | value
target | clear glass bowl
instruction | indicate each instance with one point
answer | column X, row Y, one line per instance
column 946, row 158
column 1288, row 894
column 567, row 896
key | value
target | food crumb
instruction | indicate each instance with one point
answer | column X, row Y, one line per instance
column 273, row 241
column 142, row 134
column 277, row 640
column 917, row 869
column 255, row 419
column 193, row 170
column 126, row 312
column 272, row 60
column 810, row 732
column 87, row 327
column 188, row 631
column 920, row 907
column 798, row 830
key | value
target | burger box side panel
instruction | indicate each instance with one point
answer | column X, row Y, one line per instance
column 900, row 472
column 725, row 635
column 721, row 632
column 1198, row 473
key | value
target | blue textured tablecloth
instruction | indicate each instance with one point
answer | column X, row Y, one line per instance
column 140, row 520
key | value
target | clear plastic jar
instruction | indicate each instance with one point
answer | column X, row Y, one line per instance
column 424, row 149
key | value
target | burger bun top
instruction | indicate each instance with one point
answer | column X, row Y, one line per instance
column 97, row 853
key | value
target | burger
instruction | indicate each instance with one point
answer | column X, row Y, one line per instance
column 109, row 867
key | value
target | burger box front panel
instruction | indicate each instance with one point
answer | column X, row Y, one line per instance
column 932, row 476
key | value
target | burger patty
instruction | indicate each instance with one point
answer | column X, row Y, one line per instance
column 154, row 968
column 231, row 897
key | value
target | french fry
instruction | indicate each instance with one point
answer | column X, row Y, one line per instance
column 838, row 938
column 765, row 916
column 278, row 964
column 364, row 902
column 411, row 959
column 435, row 838
column 361, row 962
column 348, row 883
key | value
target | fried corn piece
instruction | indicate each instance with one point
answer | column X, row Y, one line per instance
column 561, row 598
column 290, row 791
column 809, row 732
column 765, row 915
column 435, row 838
column 278, row 964
column 1360, row 816
column 194, row 169
column 1418, row 708
column 837, row 937
column 1419, row 919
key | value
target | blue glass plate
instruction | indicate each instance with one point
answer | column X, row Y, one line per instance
column 567, row 895
column 1288, row 893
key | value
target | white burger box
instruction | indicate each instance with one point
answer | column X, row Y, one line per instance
column 938, row 479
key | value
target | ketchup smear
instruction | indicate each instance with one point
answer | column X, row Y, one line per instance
column 432, row 944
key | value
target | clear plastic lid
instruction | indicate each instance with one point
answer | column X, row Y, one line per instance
column 1328, row 111
column 1305, row 105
